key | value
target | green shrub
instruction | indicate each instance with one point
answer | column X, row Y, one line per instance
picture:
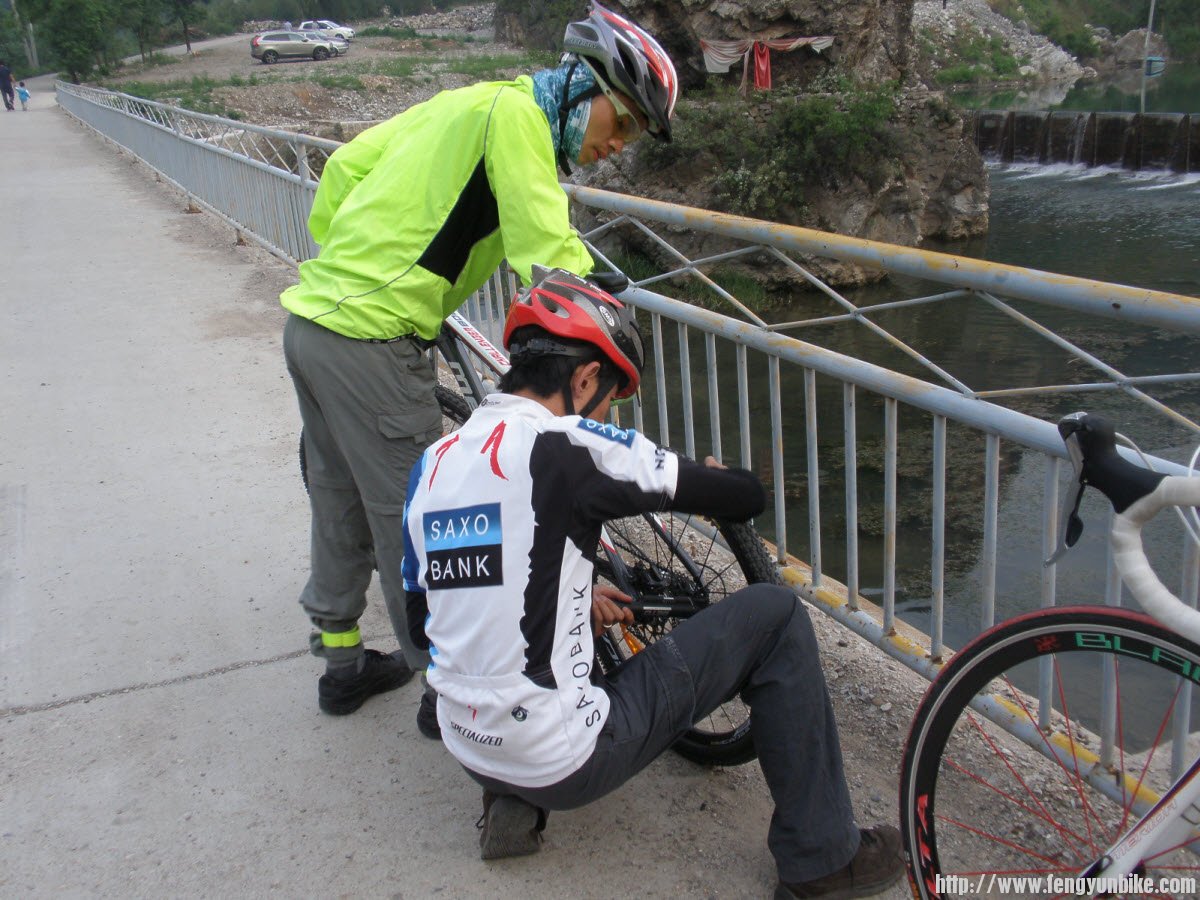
column 342, row 82
column 757, row 191
column 963, row 73
column 194, row 94
column 400, row 34
column 485, row 68
column 807, row 140
column 973, row 57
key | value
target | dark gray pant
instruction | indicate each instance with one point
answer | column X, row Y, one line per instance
column 369, row 412
column 758, row 642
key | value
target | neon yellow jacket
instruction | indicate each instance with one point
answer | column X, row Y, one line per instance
column 414, row 214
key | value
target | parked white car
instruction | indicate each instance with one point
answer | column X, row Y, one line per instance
column 331, row 29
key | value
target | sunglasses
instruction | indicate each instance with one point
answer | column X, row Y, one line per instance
column 630, row 128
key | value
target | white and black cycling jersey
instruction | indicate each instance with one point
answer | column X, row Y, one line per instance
column 501, row 528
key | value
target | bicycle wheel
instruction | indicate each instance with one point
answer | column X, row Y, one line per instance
column 453, row 405
column 1097, row 695
column 679, row 561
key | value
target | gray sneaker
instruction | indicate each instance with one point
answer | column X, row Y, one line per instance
column 511, row 827
column 876, row 866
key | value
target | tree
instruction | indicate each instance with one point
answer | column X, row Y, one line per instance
column 76, row 31
column 144, row 18
column 184, row 12
column 27, row 40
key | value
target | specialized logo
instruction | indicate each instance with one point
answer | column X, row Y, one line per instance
column 520, row 713
column 478, row 737
column 609, row 431
column 462, row 547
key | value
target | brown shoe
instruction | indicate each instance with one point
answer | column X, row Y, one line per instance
column 511, row 827
column 877, row 865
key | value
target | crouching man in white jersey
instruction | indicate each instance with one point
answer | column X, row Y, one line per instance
column 501, row 530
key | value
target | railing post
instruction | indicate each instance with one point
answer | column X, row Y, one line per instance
column 850, row 455
column 991, row 511
column 778, row 482
column 937, row 581
column 814, row 475
column 1049, row 541
column 890, row 428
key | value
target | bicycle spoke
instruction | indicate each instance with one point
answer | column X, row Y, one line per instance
column 1162, row 726
column 1074, row 777
column 1004, row 842
column 1078, row 781
column 1042, row 814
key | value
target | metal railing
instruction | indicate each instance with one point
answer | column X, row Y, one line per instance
column 980, row 480
column 260, row 180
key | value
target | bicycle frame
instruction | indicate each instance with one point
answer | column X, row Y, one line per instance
column 1174, row 821
column 457, row 343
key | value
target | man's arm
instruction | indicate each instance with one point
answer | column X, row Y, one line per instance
column 714, row 490
column 533, row 208
column 345, row 168
column 627, row 474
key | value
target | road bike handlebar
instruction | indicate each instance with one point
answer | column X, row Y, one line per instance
column 1137, row 496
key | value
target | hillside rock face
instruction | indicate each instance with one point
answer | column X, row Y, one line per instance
column 871, row 37
column 1045, row 62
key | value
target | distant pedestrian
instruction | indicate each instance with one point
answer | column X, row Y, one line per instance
column 6, row 85
column 287, row 26
column 23, row 95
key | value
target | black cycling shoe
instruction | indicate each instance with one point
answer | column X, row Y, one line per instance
column 878, row 864
column 427, row 720
column 511, row 827
column 381, row 672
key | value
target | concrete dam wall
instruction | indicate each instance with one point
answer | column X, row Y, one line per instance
column 1159, row 141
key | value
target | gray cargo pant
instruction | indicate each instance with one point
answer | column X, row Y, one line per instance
column 758, row 643
column 369, row 412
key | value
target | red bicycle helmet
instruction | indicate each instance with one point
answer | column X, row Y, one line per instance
column 567, row 306
column 629, row 60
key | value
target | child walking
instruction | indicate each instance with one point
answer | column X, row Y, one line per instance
column 23, row 95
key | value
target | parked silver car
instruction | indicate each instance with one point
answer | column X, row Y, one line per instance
column 328, row 28
column 272, row 46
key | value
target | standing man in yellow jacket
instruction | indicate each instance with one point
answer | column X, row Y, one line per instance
column 412, row 217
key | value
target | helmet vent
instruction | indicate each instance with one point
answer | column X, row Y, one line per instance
column 553, row 307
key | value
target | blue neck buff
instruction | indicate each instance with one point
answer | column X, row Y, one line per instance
column 548, row 85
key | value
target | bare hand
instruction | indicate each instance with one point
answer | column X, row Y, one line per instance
column 607, row 609
column 711, row 462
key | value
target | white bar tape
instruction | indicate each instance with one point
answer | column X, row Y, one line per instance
column 1150, row 592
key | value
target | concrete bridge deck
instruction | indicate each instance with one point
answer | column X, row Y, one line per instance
column 159, row 734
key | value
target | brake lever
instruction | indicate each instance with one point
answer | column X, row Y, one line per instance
column 1071, row 527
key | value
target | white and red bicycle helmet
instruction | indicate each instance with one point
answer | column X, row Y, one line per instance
column 567, row 306
column 629, row 60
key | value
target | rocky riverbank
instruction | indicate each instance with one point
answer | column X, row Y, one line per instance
column 1041, row 60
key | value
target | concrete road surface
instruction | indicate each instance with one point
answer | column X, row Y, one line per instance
column 159, row 732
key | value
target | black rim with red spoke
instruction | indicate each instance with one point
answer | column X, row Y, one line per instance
column 1100, row 698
